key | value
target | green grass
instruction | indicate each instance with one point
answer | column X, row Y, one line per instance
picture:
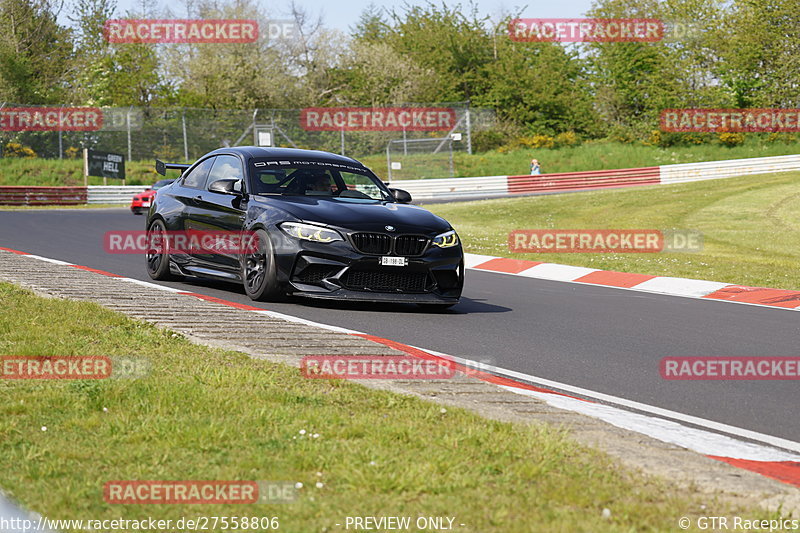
column 750, row 225
column 588, row 156
column 595, row 156
column 68, row 172
column 209, row 414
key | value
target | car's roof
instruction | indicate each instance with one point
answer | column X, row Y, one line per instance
column 258, row 152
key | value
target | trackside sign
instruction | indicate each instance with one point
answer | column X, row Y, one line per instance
column 51, row 119
column 377, row 118
column 105, row 164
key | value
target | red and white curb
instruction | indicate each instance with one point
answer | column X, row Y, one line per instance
column 690, row 288
column 767, row 455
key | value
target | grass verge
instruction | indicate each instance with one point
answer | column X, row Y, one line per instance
column 750, row 227
column 209, row 414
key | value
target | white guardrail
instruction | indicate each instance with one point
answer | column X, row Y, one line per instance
column 499, row 186
column 728, row 169
column 112, row 194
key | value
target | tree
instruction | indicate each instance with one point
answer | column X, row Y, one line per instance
column 35, row 53
column 541, row 86
column 759, row 48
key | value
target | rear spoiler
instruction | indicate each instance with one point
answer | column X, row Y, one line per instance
column 162, row 167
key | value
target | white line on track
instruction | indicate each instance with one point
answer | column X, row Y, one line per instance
column 700, row 440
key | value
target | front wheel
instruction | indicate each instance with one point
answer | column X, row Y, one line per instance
column 157, row 254
column 259, row 271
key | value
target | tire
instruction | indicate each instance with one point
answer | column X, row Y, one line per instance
column 157, row 258
column 259, row 271
column 435, row 308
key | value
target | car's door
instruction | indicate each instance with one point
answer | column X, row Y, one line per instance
column 221, row 215
column 190, row 190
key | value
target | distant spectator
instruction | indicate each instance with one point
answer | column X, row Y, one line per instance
column 535, row 168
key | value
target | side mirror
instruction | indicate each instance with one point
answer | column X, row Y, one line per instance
column 401, row 196
column 230, row 186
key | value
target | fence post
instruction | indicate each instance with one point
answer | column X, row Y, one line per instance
column 342, row 133
column 1, row 144
column 469, row 132
column 185, row 140
column 452, row 169
column 128, row 123
column 389, row 161
column 60, row 140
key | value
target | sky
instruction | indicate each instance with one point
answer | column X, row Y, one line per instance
column 343, row 14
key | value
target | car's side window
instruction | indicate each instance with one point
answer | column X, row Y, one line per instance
column 225, row 167
column 196, row 179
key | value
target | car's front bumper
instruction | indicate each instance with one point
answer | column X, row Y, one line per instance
column 337, row 271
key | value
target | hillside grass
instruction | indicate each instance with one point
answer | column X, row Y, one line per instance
column 209, row 414
column 750, row 227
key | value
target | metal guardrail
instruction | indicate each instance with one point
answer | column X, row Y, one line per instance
column 118, row 195
column 461, row 188
column 502, row 186
column 23, row 195
column 728, row 169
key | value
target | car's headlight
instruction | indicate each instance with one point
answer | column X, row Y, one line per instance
column 446, row 240
column 310, row 232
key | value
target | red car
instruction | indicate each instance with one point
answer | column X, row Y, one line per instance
column 141, row 202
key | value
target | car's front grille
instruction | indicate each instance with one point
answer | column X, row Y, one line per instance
column 410, row 244
column 386, row 281
column 372, row 243
column 315, row 273
column 382, row 244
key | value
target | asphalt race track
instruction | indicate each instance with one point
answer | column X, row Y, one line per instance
column 603, row 339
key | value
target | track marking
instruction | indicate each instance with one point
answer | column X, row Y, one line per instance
column 713, row 291
column 779, row 464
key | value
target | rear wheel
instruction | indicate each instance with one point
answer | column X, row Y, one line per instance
column 157, row 254
column 259, row 271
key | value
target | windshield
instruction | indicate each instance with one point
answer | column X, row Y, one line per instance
column 317, row 179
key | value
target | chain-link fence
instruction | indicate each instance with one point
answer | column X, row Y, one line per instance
column 184, row 134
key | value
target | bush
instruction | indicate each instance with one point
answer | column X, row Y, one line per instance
column 665, row 139
column 731, row 139
column 72, row 152
column 483, row 141
column 538, row 141
column 786, row 138
column 568, row 138
column 13, row 149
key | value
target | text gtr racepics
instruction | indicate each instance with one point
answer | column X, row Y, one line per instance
column 313, row 224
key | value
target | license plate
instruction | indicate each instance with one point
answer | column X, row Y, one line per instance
column 145, row 204
column 394, row 261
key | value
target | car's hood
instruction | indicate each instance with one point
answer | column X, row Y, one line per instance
column 360, row 216
column 145, row 194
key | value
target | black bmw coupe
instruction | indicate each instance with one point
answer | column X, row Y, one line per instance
column 324, row 226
